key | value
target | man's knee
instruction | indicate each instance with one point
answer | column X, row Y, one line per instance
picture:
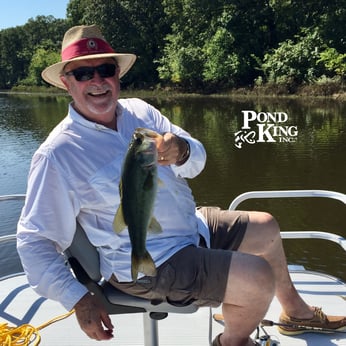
column 251, row 275
column 263, row 276
column 267, row 219
column 264, row 222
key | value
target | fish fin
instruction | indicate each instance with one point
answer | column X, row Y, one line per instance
column 144, row 264
column 119, row 222
column 154, row 226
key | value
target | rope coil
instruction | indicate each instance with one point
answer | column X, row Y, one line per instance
column 26, row 334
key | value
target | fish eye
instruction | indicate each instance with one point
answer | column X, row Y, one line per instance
column 138, row 138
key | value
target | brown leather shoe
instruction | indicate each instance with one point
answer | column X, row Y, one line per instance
column 320, row 323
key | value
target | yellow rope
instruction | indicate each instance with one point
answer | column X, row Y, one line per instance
column 25, row 334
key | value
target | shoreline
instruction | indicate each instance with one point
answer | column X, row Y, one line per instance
column 170, row 93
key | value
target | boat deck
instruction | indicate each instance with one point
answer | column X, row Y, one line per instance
column 19, row 304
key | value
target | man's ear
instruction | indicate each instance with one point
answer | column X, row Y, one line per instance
column 63, row 79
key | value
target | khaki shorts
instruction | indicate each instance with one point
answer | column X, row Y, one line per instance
column 195, row 274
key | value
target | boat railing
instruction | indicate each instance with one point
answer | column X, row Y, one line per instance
column 286, row 194
column 253, row 195
column 14, row 197
column 296, row 194
column 6, row 238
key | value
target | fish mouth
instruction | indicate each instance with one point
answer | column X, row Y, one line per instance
column 147, row 133
column 148, row 166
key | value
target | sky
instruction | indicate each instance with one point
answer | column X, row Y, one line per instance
column 18, row 12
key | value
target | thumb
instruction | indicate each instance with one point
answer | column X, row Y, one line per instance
column 159, row 142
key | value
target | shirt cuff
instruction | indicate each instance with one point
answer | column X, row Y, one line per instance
column 195, row 163
column 73, row 295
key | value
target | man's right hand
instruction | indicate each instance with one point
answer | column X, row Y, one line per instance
column 93, row 318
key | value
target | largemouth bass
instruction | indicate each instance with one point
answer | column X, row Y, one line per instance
column 138, row 187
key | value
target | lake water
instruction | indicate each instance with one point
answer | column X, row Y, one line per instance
column 286, row 144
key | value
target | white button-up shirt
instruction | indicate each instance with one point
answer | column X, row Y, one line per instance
column 75, row 174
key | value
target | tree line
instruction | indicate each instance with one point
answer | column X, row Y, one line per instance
column 195, row 45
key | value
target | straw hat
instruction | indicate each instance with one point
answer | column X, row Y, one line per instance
column 85, row 42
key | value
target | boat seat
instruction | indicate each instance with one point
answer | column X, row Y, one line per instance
column 84, row 261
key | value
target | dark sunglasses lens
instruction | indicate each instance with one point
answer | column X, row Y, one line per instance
column 106, row 70
column 85, row 73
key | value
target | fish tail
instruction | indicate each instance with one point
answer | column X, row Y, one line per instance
column 143, row 264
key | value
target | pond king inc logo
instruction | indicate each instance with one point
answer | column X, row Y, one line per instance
column 265, row 127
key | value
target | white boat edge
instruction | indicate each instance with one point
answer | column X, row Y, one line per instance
column 19, row 304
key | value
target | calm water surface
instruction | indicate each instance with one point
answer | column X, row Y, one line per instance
column 312, row 158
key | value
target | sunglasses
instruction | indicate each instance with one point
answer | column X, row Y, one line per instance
column 85, row 73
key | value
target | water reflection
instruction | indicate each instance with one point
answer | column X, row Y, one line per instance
column 315, row 161
column 24, row 123
column 36, row 114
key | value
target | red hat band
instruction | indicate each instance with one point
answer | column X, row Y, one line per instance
column 86, row 46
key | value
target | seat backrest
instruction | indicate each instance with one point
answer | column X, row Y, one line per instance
column 86, row 254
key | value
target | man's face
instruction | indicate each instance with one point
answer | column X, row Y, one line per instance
column 97, row 97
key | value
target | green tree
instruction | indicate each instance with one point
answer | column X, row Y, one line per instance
column 12, row 64
column 18, row 45
column 294, row 62
column 332, row 25
column 76, row 9
column 334, row 62
column 220, row 62
column 39, row 61
column 183, row 55
column 218, row 38
column 197, row 45
column 327, row 16
column 136, row 26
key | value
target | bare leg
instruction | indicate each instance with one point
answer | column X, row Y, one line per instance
column 249, row 291
column 262, row 238
column 251, row 283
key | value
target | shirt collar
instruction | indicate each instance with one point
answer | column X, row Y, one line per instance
column 76, row 117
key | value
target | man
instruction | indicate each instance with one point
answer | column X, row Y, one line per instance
column 75, row 175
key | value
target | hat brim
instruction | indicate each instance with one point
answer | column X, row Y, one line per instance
column 52, row 73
